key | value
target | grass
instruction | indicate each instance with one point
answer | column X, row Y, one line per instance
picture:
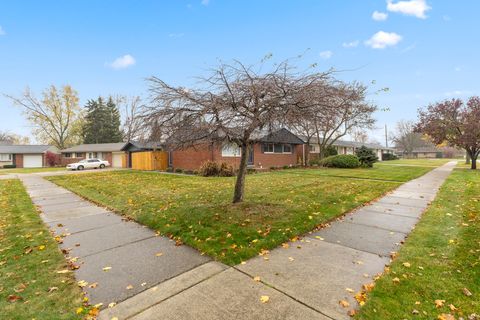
column 31, row 170
column 444, row 257
column 418, row 162
column 195, row 210
column 30, row 287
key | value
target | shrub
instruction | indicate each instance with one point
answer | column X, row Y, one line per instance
column 389, row 156
column 314, row 162
column 251, row 171
column 273, row 168
column 341, row 161
column 178, row 170
column 226, row 170
column 286, row 167
column 366, row 156
column 330, row 151
column 169, row 169
column 188, row 172
column 209, row 169
column 51, row 159
column 9, row 166
column 195, row 172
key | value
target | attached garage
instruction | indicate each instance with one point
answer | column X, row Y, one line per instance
column 32, row 160
column 118, row 159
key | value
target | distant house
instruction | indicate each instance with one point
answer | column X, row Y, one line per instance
column 25, row 156
column 135, row 146
column 348, row 147
column 276, row 149
column 112, row 152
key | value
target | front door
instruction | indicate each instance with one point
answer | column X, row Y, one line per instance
column 250, row 156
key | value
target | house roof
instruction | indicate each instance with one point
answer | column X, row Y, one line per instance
column 351, row 144
column 139, row 146
column 96, row 147
column 427, row 149
column 26, row 149
column 280, row 136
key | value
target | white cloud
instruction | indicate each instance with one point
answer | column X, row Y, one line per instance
column 382, row 39
column 457, row 69
column 122, row 62
column 351, row 44
column 2, row 31
column 326, row 54
column 416, row 8
column 205, row 2
column 457, row 93
column 379, row 16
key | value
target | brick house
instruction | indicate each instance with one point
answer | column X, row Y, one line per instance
column 276, row 149
column 26, row 156
column 111, row 152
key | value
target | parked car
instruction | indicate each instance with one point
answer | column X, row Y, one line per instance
column 88, row 164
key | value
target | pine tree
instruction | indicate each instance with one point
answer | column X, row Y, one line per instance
column 102, row 122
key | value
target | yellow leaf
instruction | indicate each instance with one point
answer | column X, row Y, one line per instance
column 106, row 268
column 42, row 247
column 406, row 264
column 112, row 304
column 264, row 299
column 318, row 237
column 129, row 287
column 445, row 316
column 257, row 278
column 79, row 310
column 396, row 280
column 290, row 258
column 344, row 303
column 159, row 254
column 63, row 271
column 439, row 303
column 82, row 283
column 349, row 290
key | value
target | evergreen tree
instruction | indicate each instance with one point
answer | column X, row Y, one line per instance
column 366, row 156
column 102, row 122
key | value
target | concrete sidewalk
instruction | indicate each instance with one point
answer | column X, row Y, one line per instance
column 151, row 278
column 304, row 281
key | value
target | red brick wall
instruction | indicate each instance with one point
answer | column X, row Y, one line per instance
column 193, row 158
column 64, row 161
column 19, row 160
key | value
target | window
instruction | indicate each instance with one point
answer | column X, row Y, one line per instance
column 93, row 160
column 68, row 155
column 313, row 148
column 231, row 150
column 79, row 155
column 5, row 157
column 276, row 148
column 92, row 155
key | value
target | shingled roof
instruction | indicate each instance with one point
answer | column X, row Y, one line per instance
column 96, row 147
column 26, row 149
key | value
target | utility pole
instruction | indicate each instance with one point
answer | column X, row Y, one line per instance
column 386, row 137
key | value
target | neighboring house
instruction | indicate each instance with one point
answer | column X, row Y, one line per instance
column 277, row 149
column 429, row 152
column 25, row 156
column 111, row 152
column 348, row 147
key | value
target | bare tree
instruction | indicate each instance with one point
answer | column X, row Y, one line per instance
column 359, row 135
column 132, row 126
column 405, row 137
column 55, row 117
column 338, row 111
column 232, row 104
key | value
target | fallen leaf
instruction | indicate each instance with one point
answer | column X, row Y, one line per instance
column 257, row 278
column 396, row 280
column 445, row 316
column 466, row 292
column 63, row 271
column 129, row 287
column 290, row 258
column 93, row 285
column 79, row 310
column 318, row 237
column 439, row 303
column 112, row 304
column 452, row 307
column 29, row 250
column 264, row 299
column 159, row 254
column 415, row 311
column 106, row 268
column 344, row 303
column 352, row 313
column 406, row 264
column 82, row 283
column 42, row 247
column 349, row 290
column 14, row 298
column 51, row 289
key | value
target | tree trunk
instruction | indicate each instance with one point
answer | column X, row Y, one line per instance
column 473, row 156
column 467, row 161
column 306, row 159
column 242, row 171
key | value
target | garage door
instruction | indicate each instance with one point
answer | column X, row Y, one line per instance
column 117, row 160
column 32, row 161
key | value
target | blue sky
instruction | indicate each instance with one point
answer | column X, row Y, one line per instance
column 422, row 50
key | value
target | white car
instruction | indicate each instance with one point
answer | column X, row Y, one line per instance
column 88, row 164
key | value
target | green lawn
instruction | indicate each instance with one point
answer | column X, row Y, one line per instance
column 443, row 255
column 417, row 162
column 30, row 287
column 197, row 211
column 31, row 170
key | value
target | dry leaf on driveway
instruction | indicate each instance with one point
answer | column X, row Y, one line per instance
column 106, row 268
column 344, row 303
column 264, row 299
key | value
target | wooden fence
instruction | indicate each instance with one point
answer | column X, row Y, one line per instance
column 150, row 160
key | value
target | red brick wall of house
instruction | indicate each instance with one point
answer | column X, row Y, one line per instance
column 19, row 160
column 193, row 158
